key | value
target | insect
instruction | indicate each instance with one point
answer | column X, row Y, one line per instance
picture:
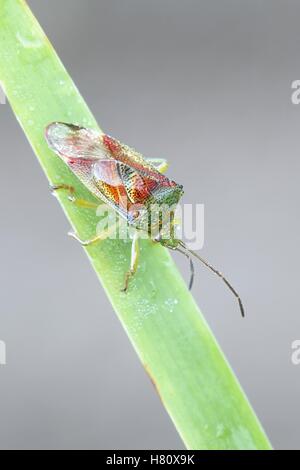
column 129, row 183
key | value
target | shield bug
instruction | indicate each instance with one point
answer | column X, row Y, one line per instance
column 129, row 183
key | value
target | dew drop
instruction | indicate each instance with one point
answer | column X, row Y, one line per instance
column 170, row 303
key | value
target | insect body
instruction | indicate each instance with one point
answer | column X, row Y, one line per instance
column 126, row 181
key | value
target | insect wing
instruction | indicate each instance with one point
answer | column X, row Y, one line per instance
column 74, row 142
column 106, row 171
column 111, row 170
column 132, row 159
column 130, row 183
column 138, row 186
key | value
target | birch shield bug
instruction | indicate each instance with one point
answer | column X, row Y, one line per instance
column 127, row 182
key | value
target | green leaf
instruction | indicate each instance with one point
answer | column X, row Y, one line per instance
column 165, row 326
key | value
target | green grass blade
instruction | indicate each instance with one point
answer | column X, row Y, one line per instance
column 169, row 334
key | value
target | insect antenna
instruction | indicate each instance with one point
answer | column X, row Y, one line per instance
column 188, row 252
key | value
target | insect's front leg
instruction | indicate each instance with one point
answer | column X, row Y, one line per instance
column 133, row 261
column 72, row 198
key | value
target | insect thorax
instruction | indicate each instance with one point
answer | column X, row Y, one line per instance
column 156, row 215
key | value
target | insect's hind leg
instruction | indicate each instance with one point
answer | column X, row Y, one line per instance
column 160, row 164
column 133, row 262
column 72, row 198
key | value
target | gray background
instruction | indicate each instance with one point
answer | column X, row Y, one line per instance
column 208, row 85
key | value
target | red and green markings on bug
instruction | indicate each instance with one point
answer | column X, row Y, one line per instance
column 133, row 186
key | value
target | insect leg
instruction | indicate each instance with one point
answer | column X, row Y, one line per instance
column 133, row 261
column 97, row 238
column 71, row 190
column 160, row 164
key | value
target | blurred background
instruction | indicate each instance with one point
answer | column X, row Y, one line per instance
column 206, row 84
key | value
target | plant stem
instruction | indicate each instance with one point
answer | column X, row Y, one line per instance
column 160, row 316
